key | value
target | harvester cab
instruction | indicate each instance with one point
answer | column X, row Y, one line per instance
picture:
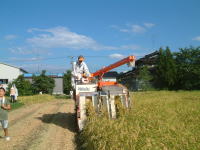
column 103, row 95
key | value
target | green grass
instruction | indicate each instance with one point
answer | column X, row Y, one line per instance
column 62, row 96
column 16, row 105
column 157, row 120
column 35, row 99
column 27, row 100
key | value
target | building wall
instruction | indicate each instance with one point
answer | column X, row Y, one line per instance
column 109, row 79
column 58, row 89
column 29, row 79
column 10, row 73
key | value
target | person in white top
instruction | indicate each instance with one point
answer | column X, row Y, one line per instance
column 16, row 92
column 79, row 70
column 4, row 107
column 12, row 94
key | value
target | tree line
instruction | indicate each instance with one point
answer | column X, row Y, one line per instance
column 173, row 70
column 41, row 83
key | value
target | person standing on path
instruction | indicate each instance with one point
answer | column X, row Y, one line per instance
column 12, row 94
column 5, row 106
column 16, row 92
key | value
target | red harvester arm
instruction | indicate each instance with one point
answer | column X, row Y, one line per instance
column 112, row 66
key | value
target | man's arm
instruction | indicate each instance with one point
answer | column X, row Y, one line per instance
column 74, row 70
column 7, row 107
column 86, row 70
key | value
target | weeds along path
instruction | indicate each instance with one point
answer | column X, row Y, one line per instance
column 42, row 126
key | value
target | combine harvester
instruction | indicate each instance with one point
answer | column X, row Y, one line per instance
column 102, row 94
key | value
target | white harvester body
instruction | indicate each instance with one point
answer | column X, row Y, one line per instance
column 99, row 99
column 102, row 94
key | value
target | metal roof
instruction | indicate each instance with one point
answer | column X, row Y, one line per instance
column 110, row 74
column 15, row 67
column 55, row 75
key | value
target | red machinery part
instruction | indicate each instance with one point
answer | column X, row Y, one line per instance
column 101, row 72
column 112, row 66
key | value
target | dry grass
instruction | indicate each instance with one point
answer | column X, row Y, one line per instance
column 35, row 99
column 158, row 120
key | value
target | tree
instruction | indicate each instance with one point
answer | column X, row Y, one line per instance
column 24, row 87
column 43, row 84
column 144, row 77
column 67, row 82
column 188, row 60
column 166, row 70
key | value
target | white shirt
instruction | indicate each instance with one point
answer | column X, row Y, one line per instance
column 2, row 100
column 79, row 69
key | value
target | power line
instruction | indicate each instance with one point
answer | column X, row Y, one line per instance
column 37, row 58
column 52, row 58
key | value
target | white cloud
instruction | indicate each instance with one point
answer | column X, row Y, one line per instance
column 137, row 29
column 149, row 25
column 25, row 59
column 120, row 56
column 196, row 38
column 19, row 50
column 134, row 28
column 120, row 29
column 40, row 67
column 27, row 51
column 10, row 37
column 114, row 26
column 62, row 37
column 129, row 47
column 124, row 30
column 117, row 56
column 131, row 28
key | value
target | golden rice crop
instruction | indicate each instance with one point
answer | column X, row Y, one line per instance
column 165, row 120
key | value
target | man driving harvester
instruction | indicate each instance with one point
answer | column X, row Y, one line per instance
column 80, row 73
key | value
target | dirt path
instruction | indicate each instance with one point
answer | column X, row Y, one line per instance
column 45, row 126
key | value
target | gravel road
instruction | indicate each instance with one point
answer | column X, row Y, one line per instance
column 44, row 126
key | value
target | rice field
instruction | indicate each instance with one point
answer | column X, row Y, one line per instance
column 158, row 120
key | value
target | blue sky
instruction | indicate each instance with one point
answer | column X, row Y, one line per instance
column 46, row 34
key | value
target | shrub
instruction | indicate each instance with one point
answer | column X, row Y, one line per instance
column 23, row 86
column 43, row 84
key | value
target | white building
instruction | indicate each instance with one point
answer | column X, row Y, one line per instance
column 8, row 73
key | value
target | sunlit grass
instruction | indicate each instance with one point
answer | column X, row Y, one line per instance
column 35, row 99
column 16, row 105
column 157, row 120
